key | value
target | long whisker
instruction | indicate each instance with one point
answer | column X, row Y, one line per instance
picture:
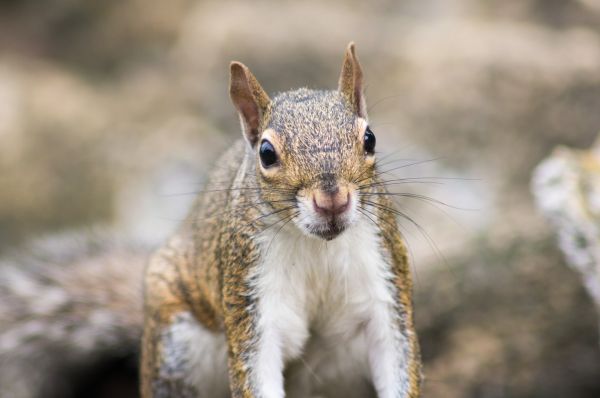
column 428, row 200
column 422, row 230
column 263, row 189
column 379, row 162
column 414, row 181
column 426, row 178
column 271, row 214
column 287, row 220
column 379, row 173
column 237, row 208
column 422, row 198
column 389, row 97
column 404, row 237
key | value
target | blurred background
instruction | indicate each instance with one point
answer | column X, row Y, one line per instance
column 112, row 112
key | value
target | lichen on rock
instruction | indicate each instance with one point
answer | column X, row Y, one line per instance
column 566, row 187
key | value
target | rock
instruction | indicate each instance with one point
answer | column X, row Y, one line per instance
column 566, row 187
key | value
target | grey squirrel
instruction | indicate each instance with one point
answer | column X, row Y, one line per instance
column 292, row 280
column 289, row 277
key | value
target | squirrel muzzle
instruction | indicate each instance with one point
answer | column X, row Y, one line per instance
column 330, row 211
column 331, row 203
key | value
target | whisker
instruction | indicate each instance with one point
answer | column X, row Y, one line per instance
column 402, row 235
column 422, row 230
column 263, row 189
column 431, row 202
column 270, row 214
column 237, row 208
column 400, row 182
column 415, row 163
column 412, row 163
column 387, row 182
column 288, row 219
column 379, row 160
column 422, row 198
column 389, row 97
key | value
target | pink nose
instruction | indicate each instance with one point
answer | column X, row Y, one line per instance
column 331, row 204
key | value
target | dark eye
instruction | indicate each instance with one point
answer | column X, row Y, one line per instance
column 369, row 143
column 267, row 154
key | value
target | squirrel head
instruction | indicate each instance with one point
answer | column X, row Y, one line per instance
column 313, row 148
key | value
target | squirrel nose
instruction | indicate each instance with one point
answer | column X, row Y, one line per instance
column 331, row 203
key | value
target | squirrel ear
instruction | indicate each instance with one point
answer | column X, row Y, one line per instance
column 351, row 82
column 250, row 100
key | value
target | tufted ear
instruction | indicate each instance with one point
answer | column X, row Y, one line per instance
column 351, row 82
column 250, row 100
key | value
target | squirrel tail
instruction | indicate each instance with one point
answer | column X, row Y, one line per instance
column 71, row 318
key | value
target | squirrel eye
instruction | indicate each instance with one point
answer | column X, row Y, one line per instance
column 369, row 142
column 267, row 154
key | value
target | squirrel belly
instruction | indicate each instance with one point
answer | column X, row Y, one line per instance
column 329, row 296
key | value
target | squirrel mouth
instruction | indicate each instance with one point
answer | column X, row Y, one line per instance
column 330, row 231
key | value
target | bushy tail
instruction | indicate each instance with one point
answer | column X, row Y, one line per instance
column 71, row 315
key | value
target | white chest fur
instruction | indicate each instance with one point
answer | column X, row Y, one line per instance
column 307, row 286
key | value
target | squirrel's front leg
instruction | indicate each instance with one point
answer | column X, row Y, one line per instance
column 255, row 354
column 391, row 356
column 255, row 360
column 391, row 337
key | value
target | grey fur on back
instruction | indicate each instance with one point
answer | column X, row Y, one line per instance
column 66, row 304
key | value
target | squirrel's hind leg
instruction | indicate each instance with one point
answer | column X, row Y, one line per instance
column 183, row 359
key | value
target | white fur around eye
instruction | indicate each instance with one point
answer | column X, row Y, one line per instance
column 271, row 136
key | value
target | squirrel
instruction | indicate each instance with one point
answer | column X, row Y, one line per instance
column 290, row 277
